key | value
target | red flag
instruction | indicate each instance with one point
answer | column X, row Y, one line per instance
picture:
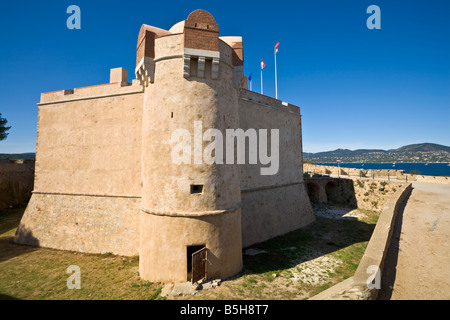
column 276, row 48
column 263, row 64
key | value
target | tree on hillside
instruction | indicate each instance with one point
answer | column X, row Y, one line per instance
column 3, row 128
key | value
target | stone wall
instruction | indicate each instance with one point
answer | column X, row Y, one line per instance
column 87, row 186
column 90, row 144
column 421, row 178
column 352, row 172
column 83, row 223
column 373, row 194
column 273, row 204
column 334, row 170
column 359, row 287
column 16, row 182
column 272, row 211
column 354, row 192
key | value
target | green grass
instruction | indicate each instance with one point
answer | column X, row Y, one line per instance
column 155, row 294
column 40, row 273
column 349, row 238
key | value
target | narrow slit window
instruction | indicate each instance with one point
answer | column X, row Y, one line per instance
column 171, row 114
column 196, row 188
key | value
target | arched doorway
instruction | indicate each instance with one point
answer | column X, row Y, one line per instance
column 332, row 192
column 313, row 192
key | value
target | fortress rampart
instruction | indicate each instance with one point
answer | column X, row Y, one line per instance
column 373, row 173
column 106, row 180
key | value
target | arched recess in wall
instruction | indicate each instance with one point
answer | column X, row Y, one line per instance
column 332, row 192
column 313, row 192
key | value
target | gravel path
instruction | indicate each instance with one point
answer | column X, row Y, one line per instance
column 418, row 261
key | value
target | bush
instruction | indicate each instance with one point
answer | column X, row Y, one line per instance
column 360, row 183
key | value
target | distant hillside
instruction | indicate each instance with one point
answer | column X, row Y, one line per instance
column 423, row 147
column 422, row 152
column 15, row 156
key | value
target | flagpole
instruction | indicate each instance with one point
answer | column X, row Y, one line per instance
column 276, row 81
column 276, row 87
column 251, row 85
column 262, row 90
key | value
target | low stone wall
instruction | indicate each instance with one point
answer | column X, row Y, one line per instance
column 373, row 194
column 372, row 262
column 352, row 172
column 420, row 178
column 350, row 191
column 16, row 182
column 331, row 170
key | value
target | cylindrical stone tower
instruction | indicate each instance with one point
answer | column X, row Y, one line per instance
column 189, row 87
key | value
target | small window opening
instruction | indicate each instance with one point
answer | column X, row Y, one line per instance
column 171, row 114
column 196, row 188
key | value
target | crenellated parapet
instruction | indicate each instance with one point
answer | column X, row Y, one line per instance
column 202, row 50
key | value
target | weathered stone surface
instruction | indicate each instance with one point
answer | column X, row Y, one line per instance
column 167, row 289
column 81, row 223
column 184, row 288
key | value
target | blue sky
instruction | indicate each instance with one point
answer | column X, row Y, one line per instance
column 357, row 88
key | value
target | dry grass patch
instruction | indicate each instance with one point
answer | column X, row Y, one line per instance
column 302, row 263
column 296, row 265
column 40, row 273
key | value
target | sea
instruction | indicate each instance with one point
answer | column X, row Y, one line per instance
column 428, row 169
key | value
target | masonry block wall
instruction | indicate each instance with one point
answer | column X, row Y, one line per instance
column 105, row 178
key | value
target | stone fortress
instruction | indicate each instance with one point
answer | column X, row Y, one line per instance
column 105, row 181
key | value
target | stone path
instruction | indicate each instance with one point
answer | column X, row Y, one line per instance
column 418, row 260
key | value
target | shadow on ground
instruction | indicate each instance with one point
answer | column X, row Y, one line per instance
column 324, row 236
column 9, row 221
column 6, row 297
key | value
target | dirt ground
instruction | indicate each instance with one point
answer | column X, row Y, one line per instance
column 418, row 261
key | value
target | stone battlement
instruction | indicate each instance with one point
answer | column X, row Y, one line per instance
column 373, row 173
column 118, row 85
column 264, row 100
